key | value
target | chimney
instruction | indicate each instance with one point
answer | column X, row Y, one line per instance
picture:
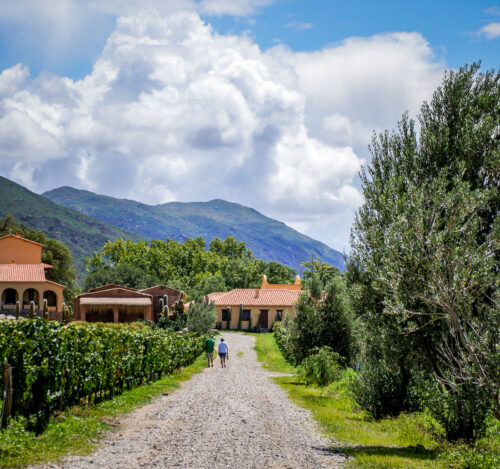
column 256, row 295
column 297, row 280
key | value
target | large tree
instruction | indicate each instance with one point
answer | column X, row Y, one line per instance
column 426, row 242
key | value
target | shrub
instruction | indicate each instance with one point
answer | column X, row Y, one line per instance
column 321, row 367
column 380, row 389
column 202, row 316
column 462, row 411
column 176, row 324
column 322, row 318
column 281, row 331
column 146, row 322
column 470, row 457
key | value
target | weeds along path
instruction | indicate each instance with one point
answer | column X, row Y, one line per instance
column 233, row 417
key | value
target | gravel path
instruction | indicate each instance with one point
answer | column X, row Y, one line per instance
column 233, row 417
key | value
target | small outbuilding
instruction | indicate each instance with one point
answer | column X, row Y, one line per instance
column 116, row 303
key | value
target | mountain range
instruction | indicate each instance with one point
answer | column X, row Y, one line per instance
column 84, row 221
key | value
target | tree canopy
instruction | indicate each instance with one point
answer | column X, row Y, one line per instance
column 426, row 243
column 226, row 264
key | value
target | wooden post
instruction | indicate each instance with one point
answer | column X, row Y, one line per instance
column 7, row 395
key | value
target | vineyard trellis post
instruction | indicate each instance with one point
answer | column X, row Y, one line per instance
column 7, row 395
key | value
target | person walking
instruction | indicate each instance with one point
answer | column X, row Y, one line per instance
column 223, row 352
column 209, row 349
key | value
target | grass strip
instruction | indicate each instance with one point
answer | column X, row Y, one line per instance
column 402, row 442
column 270, row 355
column 78, row 430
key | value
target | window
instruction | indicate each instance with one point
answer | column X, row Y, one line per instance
column 246, row 315
column 224, row 314
column 279, row 314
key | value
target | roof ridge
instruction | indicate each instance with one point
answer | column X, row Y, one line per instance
column 21, row 238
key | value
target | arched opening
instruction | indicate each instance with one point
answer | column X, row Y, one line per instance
column 30, row 295
column 51, row 298
column 9, row 296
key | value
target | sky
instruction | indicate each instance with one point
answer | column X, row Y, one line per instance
column 267, row 103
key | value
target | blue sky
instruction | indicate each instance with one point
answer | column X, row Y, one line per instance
column 450, row 26
column 263, row 102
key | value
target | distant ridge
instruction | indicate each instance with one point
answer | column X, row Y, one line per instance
column 82, row 234
column 268, row 239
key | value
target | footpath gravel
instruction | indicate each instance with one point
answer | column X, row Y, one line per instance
column 233, row 417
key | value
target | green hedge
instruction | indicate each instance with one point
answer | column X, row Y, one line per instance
column 57, row 364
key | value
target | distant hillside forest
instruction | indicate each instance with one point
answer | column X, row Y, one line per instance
column 269, row 239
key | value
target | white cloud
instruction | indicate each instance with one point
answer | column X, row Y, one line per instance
column 299, row 25
column 363, row 84
column 174, row 111
column 490, row 30
column 233, row 7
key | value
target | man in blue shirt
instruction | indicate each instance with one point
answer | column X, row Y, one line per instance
column 223, row 353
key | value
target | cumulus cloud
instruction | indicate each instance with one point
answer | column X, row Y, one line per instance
column 364, row 84
column 490, row 30
column 173, row 110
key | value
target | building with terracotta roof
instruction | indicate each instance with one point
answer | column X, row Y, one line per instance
column 261, row 306
column 25, row 278
column 115, row 303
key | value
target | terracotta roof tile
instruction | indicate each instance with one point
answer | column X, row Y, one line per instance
column 22, row 273
column 258, row 297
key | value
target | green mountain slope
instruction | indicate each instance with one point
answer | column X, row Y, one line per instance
column 267, row 238
column 82, row 234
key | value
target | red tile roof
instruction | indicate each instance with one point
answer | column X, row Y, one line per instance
column 212, row 296
column 258, row 297
column 22, row 273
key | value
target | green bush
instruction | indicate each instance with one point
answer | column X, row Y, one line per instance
column 281, row 331
column 146, row 322
column 462, row 412
column 177, row 324
column 321, row 367
column 202, row 316
column 322, row 317
column 470, row 457
column 380, row 389
column 57, row 364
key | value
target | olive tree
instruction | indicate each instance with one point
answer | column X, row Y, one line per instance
column 426, row 242
column 201, row 316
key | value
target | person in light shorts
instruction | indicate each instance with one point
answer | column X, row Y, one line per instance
column 223, row 353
